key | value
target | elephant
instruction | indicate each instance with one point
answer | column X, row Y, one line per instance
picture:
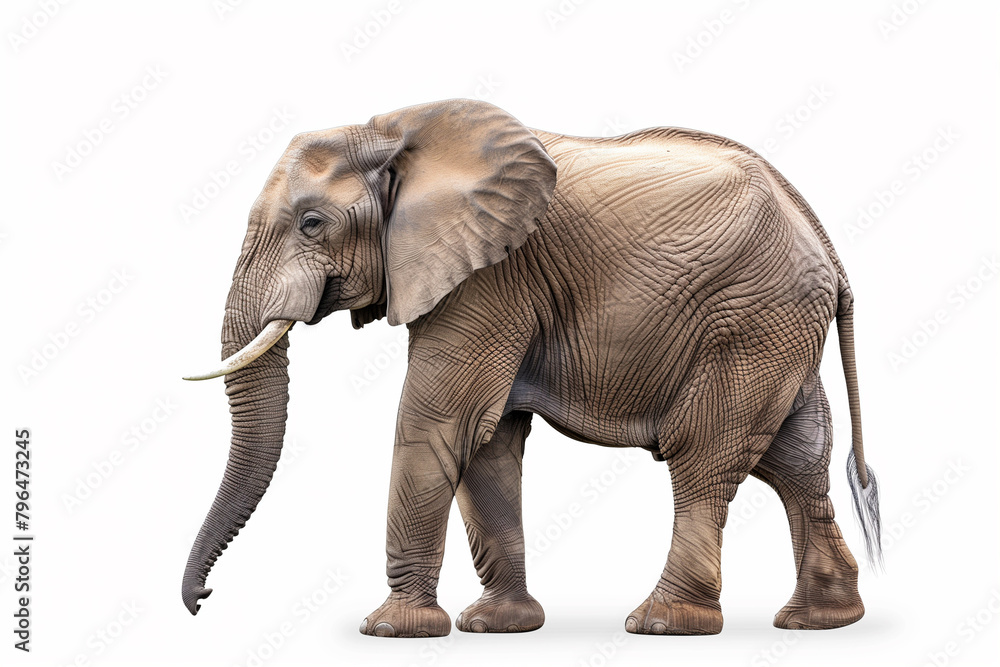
column 665, row 289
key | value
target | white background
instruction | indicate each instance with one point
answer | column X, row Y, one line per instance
column 865, row 96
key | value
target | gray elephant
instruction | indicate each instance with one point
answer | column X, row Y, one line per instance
column 666, row 289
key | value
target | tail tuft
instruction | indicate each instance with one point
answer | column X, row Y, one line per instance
column 866, row 509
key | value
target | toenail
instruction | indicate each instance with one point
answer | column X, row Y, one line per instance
column 383, row 629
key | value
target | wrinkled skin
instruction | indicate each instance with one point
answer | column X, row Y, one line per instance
column 666, row 290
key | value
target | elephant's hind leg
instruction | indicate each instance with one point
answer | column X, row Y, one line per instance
column 489, row 497
column 685, row 600
column 712, row 438
column 797, row 466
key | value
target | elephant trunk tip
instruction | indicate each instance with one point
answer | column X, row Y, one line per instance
column 192, row 595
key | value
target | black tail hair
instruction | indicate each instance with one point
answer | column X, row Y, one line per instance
column 866, row 509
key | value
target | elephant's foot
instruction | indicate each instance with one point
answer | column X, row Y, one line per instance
column 826, row 593
column 502, row 613
column 823, row 616
column 664, row 615
column 398, row 618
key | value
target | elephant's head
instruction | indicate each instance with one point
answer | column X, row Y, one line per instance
column 384, row 219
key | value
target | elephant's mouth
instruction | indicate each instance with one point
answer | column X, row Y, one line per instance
column 330, row 299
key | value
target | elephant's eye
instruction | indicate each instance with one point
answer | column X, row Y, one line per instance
column 310, row 223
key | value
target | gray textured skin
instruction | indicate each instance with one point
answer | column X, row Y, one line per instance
column 675, row 296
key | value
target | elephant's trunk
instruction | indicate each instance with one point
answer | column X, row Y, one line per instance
column 258, row 400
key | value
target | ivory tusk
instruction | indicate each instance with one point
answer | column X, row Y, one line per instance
column 271, row 334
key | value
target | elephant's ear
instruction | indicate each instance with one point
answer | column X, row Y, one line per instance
column 465, row 184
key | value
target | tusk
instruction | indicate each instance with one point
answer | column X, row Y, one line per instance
column 271, row 334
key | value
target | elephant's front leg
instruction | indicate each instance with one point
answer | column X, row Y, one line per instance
column 424, row 477
column 490, row 499
column 461, row 368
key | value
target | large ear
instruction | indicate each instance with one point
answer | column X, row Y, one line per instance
column 465, row 183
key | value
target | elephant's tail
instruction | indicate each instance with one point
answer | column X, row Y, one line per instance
column 864, row 485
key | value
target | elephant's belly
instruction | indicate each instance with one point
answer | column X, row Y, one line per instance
column 575, row 422
column 620, row 411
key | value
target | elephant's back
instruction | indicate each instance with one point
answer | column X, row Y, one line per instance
column 658, row 204
column 656, row 188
